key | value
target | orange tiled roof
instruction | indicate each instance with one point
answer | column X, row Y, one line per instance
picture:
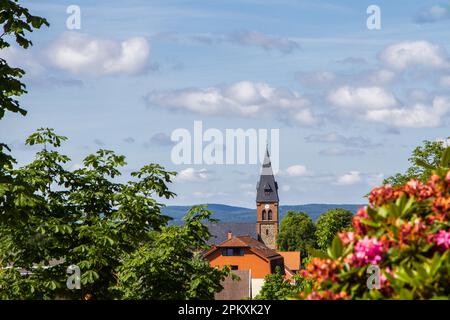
column 254, row 245
column 291, row 259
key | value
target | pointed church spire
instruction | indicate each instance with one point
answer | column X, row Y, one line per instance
column 267, row 162
column 267, row 188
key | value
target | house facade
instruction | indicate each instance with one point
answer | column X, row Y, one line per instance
column 252, row 256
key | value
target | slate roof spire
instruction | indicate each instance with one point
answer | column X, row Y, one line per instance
column 267, row 187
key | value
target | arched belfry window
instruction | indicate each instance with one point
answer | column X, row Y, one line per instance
column 264, row 216
column 269, row 215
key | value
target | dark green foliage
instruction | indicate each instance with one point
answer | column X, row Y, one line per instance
column 276, row 287
column 16, row 21
column 84, row 217
column 51, row 217
column 329, row 224
column 149, row 273
column 297, row 232
column 423, row 160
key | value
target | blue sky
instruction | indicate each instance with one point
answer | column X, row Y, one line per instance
column 357, row 100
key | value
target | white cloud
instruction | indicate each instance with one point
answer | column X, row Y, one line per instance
column 207, row 194
column 412, row 53
column 24, row 59
column 419, row 95
column 83, row 54
column 336, row 138
column 375, row 104
column 192, row 175
column 348, row 179
column 244, row 98
column 297, row 171
column 321, row 79
column 362, row 98
column 254, row 38
column 434, row 13
column 417, row 116
column 241, row 38
column 382, row 76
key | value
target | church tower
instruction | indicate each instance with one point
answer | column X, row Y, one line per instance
column 267, row 205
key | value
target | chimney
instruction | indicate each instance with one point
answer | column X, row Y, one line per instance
column 229, row 235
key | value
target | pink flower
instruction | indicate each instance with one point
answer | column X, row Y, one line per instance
column 417, row 189
column 347, row 237
column 368, row 251
column 442, row 239
column 359, row 227
column 382, row 195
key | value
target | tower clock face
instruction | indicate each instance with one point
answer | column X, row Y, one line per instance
column 266, row 206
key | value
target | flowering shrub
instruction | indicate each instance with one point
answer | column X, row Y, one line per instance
column 404, row 232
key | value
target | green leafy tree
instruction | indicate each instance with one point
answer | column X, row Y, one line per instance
column 16, row 21
column 276, row 287
column 297, row 232
column 148, row 273
column 51, row 218
column 329, row 224
column 424, row 159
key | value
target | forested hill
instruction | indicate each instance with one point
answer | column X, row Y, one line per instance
column 240, row 214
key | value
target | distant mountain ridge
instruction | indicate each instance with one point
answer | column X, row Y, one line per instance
column 228, row 213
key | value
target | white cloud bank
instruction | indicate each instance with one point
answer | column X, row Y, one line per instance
column 297, row 171
column 18, row 57
column 351, row 178
column 402, row 55
column 243, row 98
column 192, row 175
column 362, row 98
column 83, row 54
column 376, row 104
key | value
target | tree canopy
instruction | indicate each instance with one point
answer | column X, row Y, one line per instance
column 115, row 233
column 53, row 218
column 16, row 22
column 297, row 232
column 424, row 159
column 329, row 224
column 276, row 287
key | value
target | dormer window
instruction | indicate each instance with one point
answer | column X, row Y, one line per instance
column 267, row 189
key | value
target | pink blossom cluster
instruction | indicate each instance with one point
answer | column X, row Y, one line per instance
column 378, row 237
column 442, row 239
column 368, row 251
column 418, row 189
column 381, row 195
